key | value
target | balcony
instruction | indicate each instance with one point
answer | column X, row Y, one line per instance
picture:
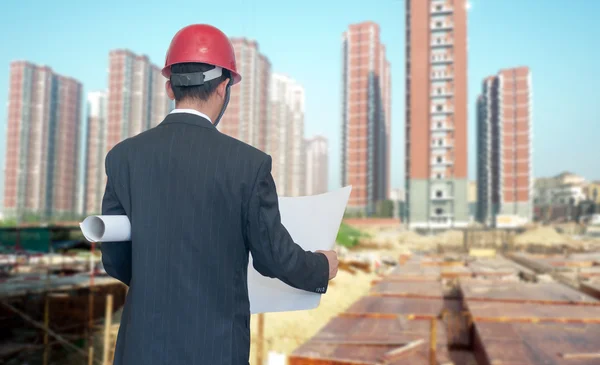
column 441, row 198
column 442, row 217
column 441, row 43
column 443, row 27
column 442, row 61
column 437, row 147
column 443, row 128
column 434, row 111
column 441, row 9
column 444, row 163
column 445, row 94
column 442, row 77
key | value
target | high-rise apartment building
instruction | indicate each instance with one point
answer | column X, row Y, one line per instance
column 160, row 105
column 137, row 98
column 246, row 115
column 436, row 113
column 94, row 177
column 366, row 118
column 42, row 154
column 317, row 165
column 504, row 165
column 285, row 135
column 136, row 101
column 484, row 150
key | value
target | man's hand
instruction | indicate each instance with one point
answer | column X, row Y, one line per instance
column 333, row 262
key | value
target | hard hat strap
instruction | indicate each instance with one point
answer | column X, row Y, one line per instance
column 195, row 78
column 227, row 93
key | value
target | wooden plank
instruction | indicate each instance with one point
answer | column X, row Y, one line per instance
column 107, row 326
column 394, row 354
column 537, row 320
column 595, row 355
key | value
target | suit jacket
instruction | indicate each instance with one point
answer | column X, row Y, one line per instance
column 199, row 202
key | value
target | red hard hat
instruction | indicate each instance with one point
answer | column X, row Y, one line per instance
column 201, row 43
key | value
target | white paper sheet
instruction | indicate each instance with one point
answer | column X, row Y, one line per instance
column 312, row 221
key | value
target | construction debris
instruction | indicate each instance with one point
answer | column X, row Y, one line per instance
column 546, row 236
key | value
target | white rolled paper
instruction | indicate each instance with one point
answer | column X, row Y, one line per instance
column 106, row 228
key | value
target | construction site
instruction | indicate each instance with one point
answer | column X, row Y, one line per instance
column 474, row 296
column 56, row 301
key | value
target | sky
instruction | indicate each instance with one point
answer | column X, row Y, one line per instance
column 556, row 39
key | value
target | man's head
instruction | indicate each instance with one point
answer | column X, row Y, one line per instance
column 209, row 96
column 200, row 65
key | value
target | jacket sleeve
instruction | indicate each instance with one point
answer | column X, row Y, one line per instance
column 274, row 252
column 116, row 256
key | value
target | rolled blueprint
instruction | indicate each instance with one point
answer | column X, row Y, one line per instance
column 106, row 228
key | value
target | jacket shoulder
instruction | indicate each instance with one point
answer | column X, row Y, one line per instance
column 119, row 149
column 131, row 142
column 248, row 151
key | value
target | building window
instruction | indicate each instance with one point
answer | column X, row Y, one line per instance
column 438, row 24
column 439, row 91
column 441, row 142
column 438, row 194
column 439, row 40
column 439, row 176
column 438, row 8
column 439, row 211
column 439, row 160
column 439, row 125
column 439, row 108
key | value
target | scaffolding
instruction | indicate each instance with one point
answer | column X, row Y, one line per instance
column 48, row 292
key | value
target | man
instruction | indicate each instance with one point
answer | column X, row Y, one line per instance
column 199, row 202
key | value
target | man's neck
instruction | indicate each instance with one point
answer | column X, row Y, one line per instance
column 194, row 106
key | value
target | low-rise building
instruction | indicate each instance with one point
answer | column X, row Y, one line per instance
column 565, row 188
column 592, row 191
column 555, row 198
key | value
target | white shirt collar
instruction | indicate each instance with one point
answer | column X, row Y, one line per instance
column 191, row 111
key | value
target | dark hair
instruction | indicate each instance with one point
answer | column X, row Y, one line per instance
column 198, row 92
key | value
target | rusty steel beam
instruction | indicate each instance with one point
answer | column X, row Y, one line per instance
column 411, row 295
column 532, row 301
column 535, row 320
column 301, row 360
column 411, row 316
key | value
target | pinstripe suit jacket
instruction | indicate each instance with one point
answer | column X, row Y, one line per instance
column 199, row 202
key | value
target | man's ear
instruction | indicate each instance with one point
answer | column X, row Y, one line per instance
column 169, row 89
column 222, row 88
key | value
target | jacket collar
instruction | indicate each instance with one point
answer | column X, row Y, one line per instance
column 188, row 116
column 191, row 111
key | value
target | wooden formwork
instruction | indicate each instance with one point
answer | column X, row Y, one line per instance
column 492, row 320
